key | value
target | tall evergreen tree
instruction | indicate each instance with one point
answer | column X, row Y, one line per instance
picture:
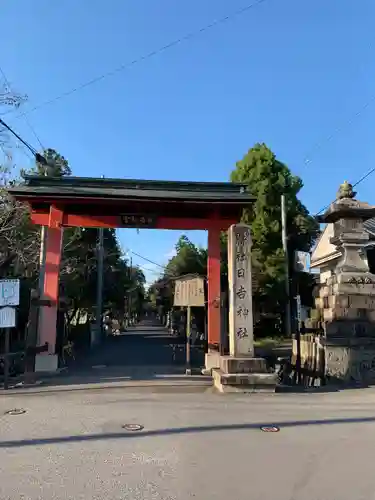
column 267, row 179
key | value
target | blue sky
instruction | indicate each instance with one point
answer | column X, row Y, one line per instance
column 295, row 74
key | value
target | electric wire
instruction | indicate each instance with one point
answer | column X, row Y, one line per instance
column 146, row 56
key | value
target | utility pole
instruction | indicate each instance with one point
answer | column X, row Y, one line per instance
column 99, row 283
column 130, row 292
column 288, row 319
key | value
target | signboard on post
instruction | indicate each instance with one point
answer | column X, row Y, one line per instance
column 9, row 298
column 301, row 262
column 299, row 309
column 189, row 292
column 7, row 317
column 9, row 293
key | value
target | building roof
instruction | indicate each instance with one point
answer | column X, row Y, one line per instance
column 325, row 251
column 369, row 226
column 36, row 186
column 90, row 197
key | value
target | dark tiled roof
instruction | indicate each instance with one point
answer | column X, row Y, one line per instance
column 87, row 187
column 369, row 226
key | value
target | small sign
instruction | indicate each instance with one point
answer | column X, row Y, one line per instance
column 302, row 262
column 299, row 308
column 189, row 292
column 138, row 221
column 7, row 317
column 9, row 292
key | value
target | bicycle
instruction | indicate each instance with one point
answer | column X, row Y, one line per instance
column 68, row 351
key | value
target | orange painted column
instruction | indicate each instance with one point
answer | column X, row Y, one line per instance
column 48, row 317
column 214, row 285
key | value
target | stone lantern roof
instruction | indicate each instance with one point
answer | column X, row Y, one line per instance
column 345, row 208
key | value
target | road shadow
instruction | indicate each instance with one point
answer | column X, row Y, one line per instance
column 180, row 430
column 140, row 348
column 129, row 378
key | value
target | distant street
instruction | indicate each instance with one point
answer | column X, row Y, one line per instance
column 147, row 347
column 197, row 444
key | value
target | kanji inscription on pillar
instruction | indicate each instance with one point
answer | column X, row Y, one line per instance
column 241, row 337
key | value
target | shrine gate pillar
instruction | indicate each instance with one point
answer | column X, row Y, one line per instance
column 48, row 316
column 214, row 302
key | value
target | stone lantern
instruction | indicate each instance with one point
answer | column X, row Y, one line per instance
column 346, row 296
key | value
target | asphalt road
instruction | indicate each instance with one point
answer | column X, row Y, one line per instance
column 145, row 345
column 193, row 445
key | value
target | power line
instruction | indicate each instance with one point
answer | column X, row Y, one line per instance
column 149, row 55
column 167, row 273
column 361, row 179
column 146, row 259
column 228, row 17
column 8, row 86
column 26, row 144
column 339, row 129
column 38, row 157
column 33, row 131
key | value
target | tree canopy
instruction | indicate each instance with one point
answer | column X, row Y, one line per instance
column 267, row 178
column 20, row 242
column 189, row 259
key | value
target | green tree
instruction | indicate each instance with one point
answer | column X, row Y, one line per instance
column 19, row 239
column 267, row 179
column 53, row 164
column 188, row 259
column 78, row 274
column 8, row 99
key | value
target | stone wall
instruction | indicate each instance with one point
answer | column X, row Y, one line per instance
column 351, row 363
column 347, row 302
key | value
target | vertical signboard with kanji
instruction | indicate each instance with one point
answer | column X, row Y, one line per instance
column 241, row 337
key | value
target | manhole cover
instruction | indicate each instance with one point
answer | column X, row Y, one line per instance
column 15, row 411
column 132, row 427
column 270, row 428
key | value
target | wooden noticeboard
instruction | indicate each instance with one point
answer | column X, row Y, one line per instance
column 189, row 292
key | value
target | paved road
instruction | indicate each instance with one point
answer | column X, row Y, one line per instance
column 194, row 445
column 147, row 345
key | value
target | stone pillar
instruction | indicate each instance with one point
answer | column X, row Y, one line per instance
column 241, row 336
column 48, row 318
column 241, row 371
